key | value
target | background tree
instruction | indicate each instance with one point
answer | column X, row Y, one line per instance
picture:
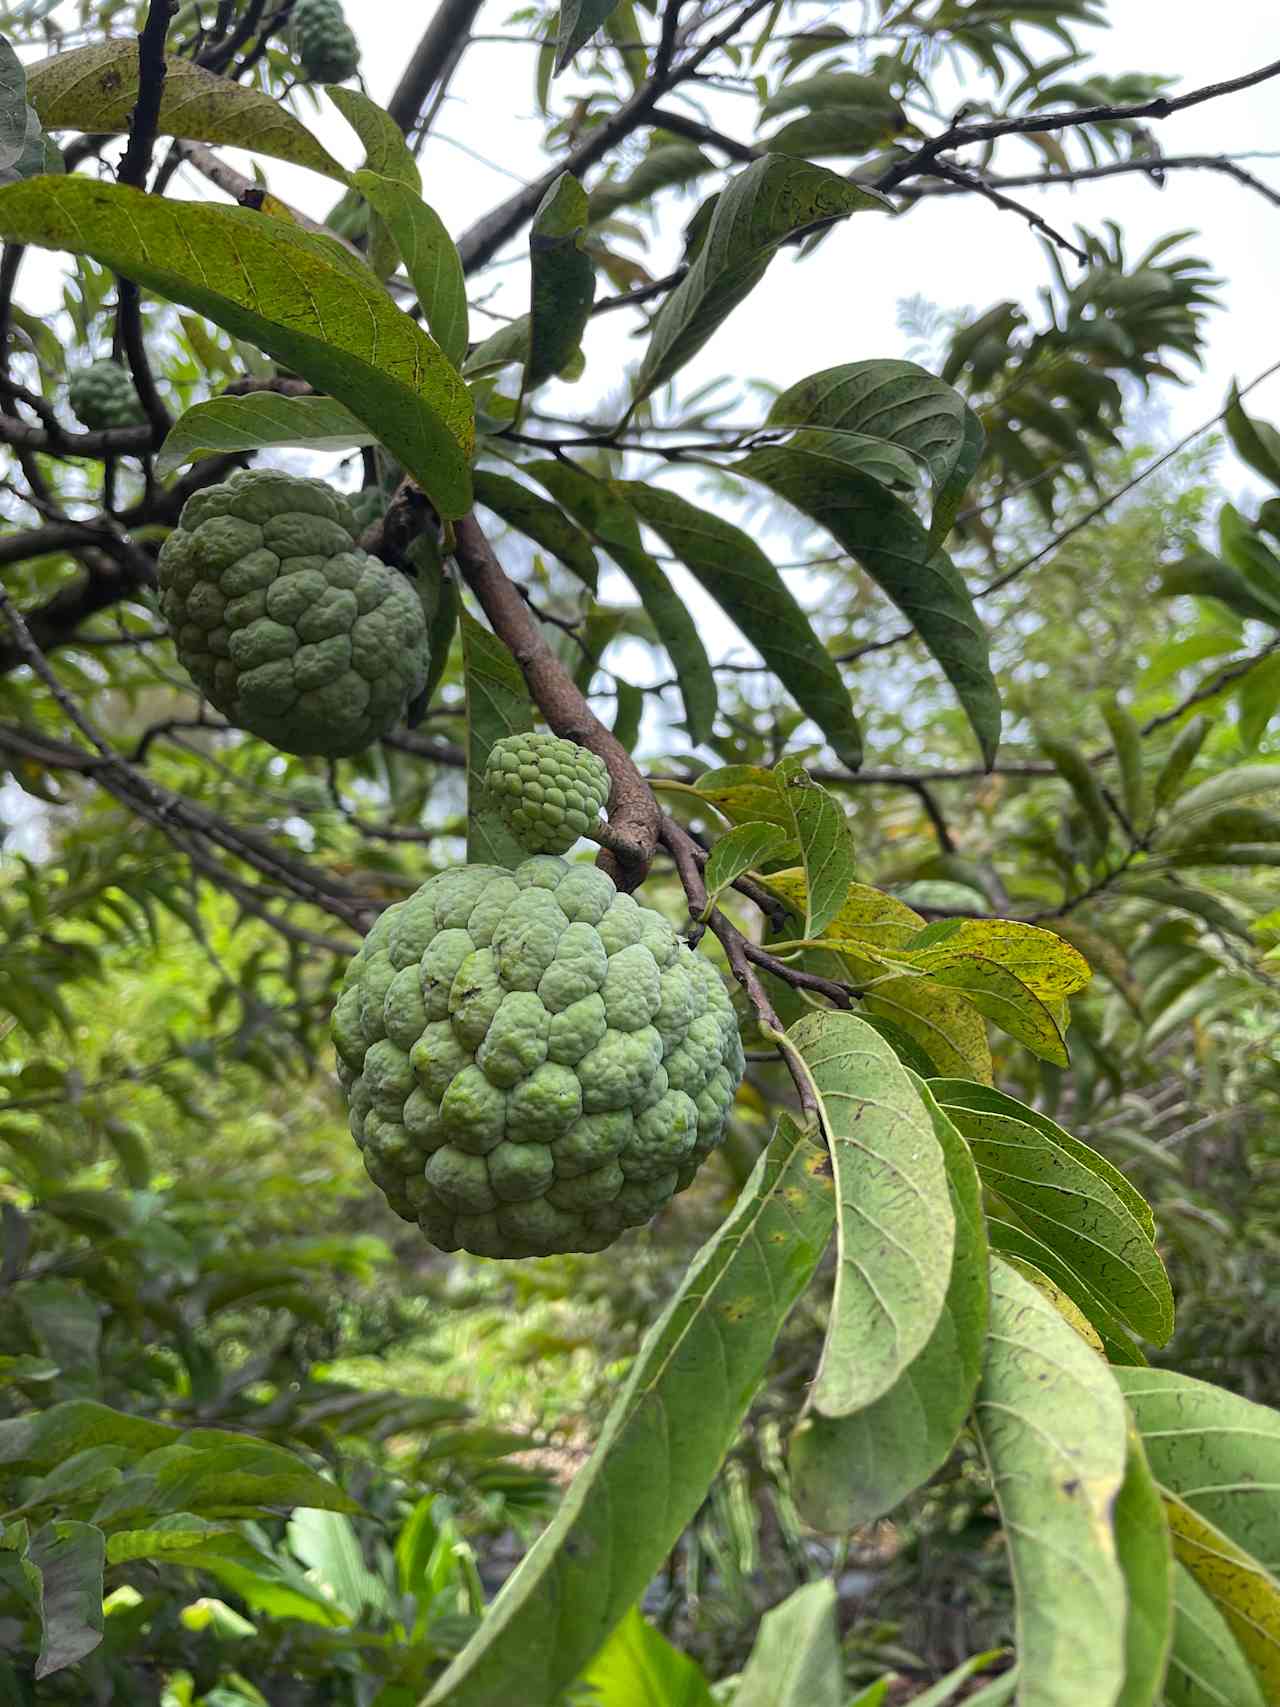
column 241, row 1399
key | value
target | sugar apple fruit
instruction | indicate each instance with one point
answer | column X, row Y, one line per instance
column 548, row 792
column 328, row 50
column 102, row 396
column 533, row 1061
column 290, row 629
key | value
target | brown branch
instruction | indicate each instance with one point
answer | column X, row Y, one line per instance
column 54, row 440
column 1116, row 168
column 959, row 136
column 680, row 125
column 634, row 816
column 110, row 581
column 986, row 189
column 448, row 29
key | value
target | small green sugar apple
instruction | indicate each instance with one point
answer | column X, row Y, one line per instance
column 102, row 396
column 283, row 622
column 326, row 46
column 533, row 1061
column 548, row 792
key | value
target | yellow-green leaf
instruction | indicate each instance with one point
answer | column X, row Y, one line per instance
column 95, row 88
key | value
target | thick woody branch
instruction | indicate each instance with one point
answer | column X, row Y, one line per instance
column 634, row 817
column 448, row 29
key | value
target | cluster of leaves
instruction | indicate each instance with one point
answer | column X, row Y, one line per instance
column 167, row 1406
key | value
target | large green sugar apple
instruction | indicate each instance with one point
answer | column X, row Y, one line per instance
column 328, row 50
column 547, row 791
column 102, row 396
column 290, row 629
column 533, row 1061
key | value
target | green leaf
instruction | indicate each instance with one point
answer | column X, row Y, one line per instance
column 746, row 793
column 1025, row 1251
column 1000, row 996
column 43, row 1439
column 1146, row 1558
column 796, row 1660
column 1180, row 759
column 281, row 289
column 849, row 1471
column 259, row 421
column 1239, row 782
column 69, row 1558
column 1255, row 442
column 579, row 21
column 563, row 280
column 429, row 256
column 1206, row 1667
column 1206, row 577
column 546, row 524
column 638, row 1667
column 742, row 849
column 498, row 704
column 95, row 88
column 1052, row 1427
column 662, row 1442
column 13, row 105
column 1126, row 737
column 326, row 1543
column 1077, row 773
column 946, row 1689
column 216, row 1474
column 959, row 1093
column 1258, row 697
column 1071, row 1208
column 1218, row 1452
column 605, row 513
column 826, row 845
column 903, row 404
column 813, row 473
column 387, row 153
column 83, row 1476
column 896, row 1226
column 742, row 580
column 759, row 209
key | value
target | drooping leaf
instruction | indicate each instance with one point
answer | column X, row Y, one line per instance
column 563, row 280
column 1062, row 1302
column 215, row 1474
column 429, row 257
column 761, row 207
column 386, row 151
column 747, row 794
column 1206, row 1667
column 1011, row 1239
column 579, row 21
column 292, row 294
column 1255, row 442
column 744, row 847
column 826, row 845
column 260, row 421
column 95, row 88
column 638, row 1667
column 1079, row 777
column 1180, row 758
column 796, row 1660
column 903, row 404
column 958, row 1093
column 1259, row 699
column 813, row 473
column 1207, row 577
column 738, row 575
column 498, row 704
column 69, row 1558
column 13, row 105
column 546, row 524
column 1126, row 738
column 1052, row 1426
column 607, row 516
column 895, row 1225
column 1070, row 1207
column 849, row 1471
column 662, row 1442
column 1218, row 1452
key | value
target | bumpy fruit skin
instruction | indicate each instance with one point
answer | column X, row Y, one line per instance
column 533, row 1061
column 102, row 397
column 283, row 622
column 547, row 791
column 328, row 50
